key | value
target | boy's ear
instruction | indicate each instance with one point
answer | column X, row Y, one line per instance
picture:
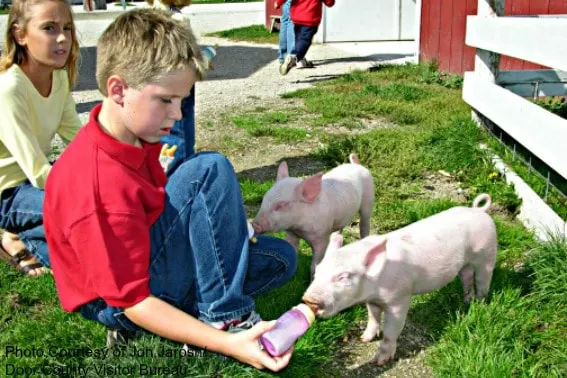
column 115, row 87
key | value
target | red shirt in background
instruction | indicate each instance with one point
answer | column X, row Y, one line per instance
column 101, row 198
column 307, row 12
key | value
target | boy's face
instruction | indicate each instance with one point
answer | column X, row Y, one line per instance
column 149, row 113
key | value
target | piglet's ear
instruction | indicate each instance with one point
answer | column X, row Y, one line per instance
column 310, row 188
column 335, row 241
column 373, row 253
column 282, row 171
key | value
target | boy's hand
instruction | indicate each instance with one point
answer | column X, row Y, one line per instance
column 245, row 347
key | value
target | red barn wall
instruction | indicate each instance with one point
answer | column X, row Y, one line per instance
column 443, row 25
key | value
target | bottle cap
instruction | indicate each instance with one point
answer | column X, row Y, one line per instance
column 307, row 312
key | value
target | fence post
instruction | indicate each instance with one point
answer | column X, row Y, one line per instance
column 487, row 63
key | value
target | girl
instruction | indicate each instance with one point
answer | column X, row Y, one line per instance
column 38, row 68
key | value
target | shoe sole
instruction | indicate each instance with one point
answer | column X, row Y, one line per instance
column 287, row 65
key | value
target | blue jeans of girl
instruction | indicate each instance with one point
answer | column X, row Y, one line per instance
column 21, row 213
column 201, row 259
column 287, row 35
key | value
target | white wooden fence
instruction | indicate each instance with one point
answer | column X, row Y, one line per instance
column 498, row 95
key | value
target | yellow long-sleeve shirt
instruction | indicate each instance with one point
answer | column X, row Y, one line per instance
column 28, row 123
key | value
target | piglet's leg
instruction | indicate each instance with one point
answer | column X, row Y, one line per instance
column 293, row 240
column 394, row 320
column 373, row 326
column 319, row 247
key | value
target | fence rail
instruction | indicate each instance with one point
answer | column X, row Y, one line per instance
column 500, row 96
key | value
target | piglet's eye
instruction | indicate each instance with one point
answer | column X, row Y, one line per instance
column 281, row 206
column 342, row 278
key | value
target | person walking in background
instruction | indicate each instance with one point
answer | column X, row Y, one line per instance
column 287, row 35
column 306, row 16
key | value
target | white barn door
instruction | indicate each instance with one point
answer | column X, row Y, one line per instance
column 368, row 20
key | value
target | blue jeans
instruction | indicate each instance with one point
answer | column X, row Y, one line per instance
column 183, row 133
column 21, row 212
column 201, row 259
column 303, row 37
column 287, row 35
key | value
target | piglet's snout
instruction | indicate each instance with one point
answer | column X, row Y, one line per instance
column 257, row 228
column 313, row 304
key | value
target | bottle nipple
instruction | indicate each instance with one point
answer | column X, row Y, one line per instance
column 307, row 312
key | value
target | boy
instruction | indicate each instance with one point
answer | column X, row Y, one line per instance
column 306, row 16
column 134, row 250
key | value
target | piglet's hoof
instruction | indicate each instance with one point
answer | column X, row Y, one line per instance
column 382, row 360
column 367, row 337
column 382, row 357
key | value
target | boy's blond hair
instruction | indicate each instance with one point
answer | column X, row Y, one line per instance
column 166, row 4
column 144, row 45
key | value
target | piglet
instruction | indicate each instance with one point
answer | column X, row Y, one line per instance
column 384, row 271
column 314, row 207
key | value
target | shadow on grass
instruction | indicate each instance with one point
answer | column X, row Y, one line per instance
column 443, row 305
column 298, row 166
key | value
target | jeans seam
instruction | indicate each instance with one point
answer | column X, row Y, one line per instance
column 278, row 257
column 11, row 212
column 218, row 262
column 172, row 227
column 226, row 315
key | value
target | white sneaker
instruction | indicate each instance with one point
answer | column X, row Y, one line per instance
column 289, row 62
column 253, row 319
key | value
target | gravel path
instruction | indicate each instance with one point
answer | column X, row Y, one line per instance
column 245, row 74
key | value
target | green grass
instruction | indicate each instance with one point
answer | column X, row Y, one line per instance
column 272, row 124
column 119, row 4
column 253, row 33
column 4, row 10
column 519, row 330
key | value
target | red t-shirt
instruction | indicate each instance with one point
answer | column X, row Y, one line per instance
column 307, row 12
column 101, row 198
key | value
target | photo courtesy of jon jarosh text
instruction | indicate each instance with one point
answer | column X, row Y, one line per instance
column 45, row 366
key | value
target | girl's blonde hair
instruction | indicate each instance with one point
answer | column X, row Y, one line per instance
column 19, row 18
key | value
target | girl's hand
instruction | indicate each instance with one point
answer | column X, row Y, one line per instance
column 166, row 155
column 245, row 347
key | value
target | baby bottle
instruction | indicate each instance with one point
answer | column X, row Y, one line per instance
column 289, row 327
column 209, row 53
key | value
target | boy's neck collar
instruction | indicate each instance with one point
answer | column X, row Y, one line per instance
column 126, row 153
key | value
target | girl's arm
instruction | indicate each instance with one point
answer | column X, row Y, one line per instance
column 20, row 140
column 70, row 122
